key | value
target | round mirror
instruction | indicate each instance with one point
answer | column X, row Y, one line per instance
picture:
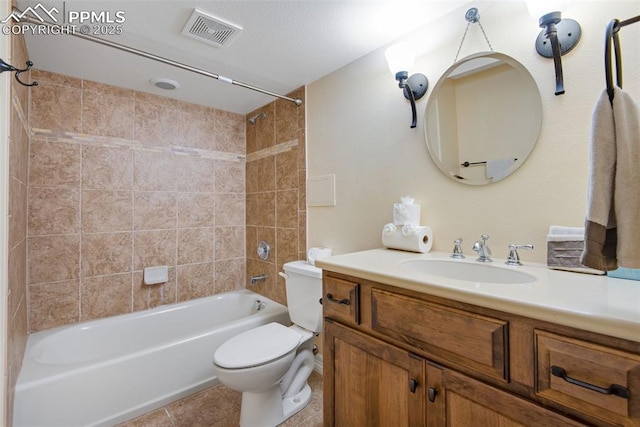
column 483, row 118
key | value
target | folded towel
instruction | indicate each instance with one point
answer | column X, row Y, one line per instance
column 497, row 169
column 559, row 233
column 559, row 229
column 564, row 247
column 613, row 206
column 565, row 238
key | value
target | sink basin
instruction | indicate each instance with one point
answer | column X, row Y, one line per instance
column 468, row 271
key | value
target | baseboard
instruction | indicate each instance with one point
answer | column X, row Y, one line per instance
column 318, row 364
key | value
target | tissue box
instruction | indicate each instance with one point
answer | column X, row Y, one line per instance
column 564, row 249
column 565, row 253
column 625, row 273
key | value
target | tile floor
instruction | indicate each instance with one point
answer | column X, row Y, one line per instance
column 219, row 406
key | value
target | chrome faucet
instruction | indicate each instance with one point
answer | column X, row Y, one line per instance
column 256, row 279
column 514, row 258
column 481, row 247
column 457, row 249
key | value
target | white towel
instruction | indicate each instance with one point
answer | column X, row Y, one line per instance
column 497, row 169
column 558, row 233
column 564, row 238
column 562, row 230
column 613, row 205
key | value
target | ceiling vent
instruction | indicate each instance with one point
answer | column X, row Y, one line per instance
column 210, row 29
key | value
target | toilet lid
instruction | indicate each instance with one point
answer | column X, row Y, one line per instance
column 257, row 346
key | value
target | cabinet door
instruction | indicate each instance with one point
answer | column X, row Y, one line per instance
column 369, row 382
column 459, row 401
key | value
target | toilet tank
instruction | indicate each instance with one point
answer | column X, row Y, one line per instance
column 304, row 290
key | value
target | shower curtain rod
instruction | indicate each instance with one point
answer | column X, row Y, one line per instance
column 157, row 58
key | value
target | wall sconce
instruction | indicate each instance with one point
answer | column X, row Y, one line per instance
column 400, row 58
column 558, row 36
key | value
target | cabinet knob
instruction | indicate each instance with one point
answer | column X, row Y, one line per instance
column 413, row 385
column 431, row 394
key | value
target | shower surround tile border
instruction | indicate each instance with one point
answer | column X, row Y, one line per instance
column 272, row 151
column 46, row 135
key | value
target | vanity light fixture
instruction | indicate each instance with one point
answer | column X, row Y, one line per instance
column 400, row 58
column 558, row 36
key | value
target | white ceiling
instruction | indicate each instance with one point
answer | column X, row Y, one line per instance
column 284, row 44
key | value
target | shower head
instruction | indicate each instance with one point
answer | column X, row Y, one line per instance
column 253, row 119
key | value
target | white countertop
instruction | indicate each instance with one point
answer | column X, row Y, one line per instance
column 599, row 304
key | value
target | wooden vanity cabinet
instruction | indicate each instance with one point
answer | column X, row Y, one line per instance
column 374, row 383
column 394, row 357
column 462, row 401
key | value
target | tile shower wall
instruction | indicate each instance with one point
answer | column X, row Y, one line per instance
column 18, row 165
column 276, row 191
column 121, row 180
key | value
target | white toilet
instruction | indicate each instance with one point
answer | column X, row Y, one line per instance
column 270, row 364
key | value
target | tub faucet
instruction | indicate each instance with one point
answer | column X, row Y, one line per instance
column 481, row 247
column 256, row 279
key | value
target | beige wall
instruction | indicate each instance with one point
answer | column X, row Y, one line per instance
column 358, row 128
column 119, row 181
column 276, row 202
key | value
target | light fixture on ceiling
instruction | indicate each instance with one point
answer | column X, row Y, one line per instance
column 558, row 36
column 164, row 83
column 400, row 58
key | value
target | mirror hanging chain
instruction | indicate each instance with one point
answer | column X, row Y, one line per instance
column 472, row 16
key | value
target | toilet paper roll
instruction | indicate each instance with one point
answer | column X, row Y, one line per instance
column 317, row 253
column 406, row 214
column 420, row 240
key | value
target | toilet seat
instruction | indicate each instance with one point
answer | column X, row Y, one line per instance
column 257, row 346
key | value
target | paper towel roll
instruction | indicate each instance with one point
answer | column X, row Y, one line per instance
column 317, row 253
column 420, row 240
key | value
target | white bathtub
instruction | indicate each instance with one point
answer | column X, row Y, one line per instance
column 103, row 372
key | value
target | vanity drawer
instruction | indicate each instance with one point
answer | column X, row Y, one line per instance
column 471, row 340
column 341, row 300
column 597, row 380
